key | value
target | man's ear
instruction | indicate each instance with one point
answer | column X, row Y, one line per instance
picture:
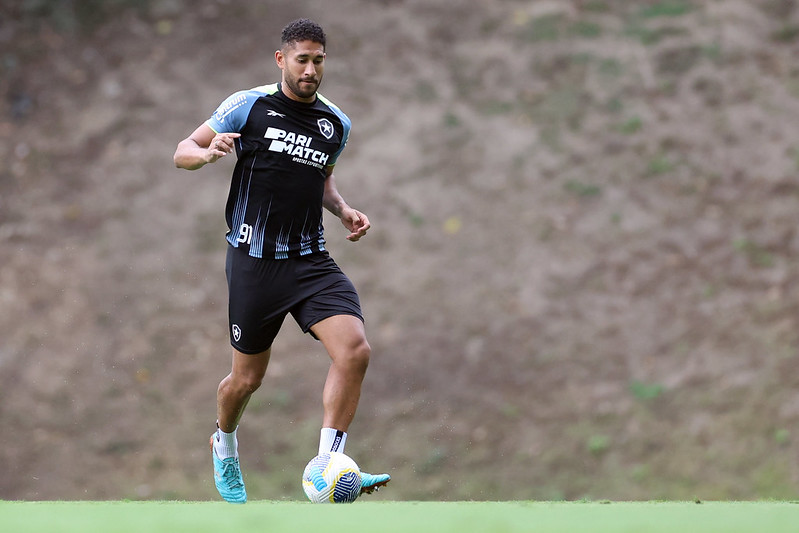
column 279, row 58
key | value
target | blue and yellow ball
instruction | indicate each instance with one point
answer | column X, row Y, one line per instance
column 332, row 478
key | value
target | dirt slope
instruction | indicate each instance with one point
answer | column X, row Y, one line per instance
column 580, row 282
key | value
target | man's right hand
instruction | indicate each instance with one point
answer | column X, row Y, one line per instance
column 220, row 146
column 203, row 146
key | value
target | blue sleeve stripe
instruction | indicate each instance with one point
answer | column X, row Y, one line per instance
column 346, row 123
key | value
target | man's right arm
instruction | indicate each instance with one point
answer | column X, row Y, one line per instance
column 203, row 146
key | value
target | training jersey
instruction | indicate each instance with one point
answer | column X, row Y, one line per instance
column 274, row 208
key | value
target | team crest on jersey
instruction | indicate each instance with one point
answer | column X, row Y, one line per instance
column 326, row 127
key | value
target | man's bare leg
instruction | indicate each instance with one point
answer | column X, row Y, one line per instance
column 232, row 396
column 344, row 339
column 235, row 390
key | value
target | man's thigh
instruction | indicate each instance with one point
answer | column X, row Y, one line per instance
column 341, row 334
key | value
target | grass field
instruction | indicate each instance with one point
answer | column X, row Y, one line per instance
column 417, row 517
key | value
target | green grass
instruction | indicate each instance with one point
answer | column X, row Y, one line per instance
column 417, row 517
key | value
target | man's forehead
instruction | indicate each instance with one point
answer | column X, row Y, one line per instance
column 305, row 48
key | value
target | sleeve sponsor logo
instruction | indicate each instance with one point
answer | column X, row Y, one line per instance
column 230, row 106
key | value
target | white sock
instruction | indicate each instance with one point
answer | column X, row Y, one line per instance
column 226, row 444
column 332, row 440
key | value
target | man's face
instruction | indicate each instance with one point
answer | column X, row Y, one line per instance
column 303, row 65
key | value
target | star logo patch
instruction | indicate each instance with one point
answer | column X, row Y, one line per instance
column 326, row 127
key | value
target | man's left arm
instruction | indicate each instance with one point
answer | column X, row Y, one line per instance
column 355, row 221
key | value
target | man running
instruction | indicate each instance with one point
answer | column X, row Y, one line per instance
column 287, row 138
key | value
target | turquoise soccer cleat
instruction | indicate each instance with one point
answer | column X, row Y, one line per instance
column 372, row 482
column 228, row 479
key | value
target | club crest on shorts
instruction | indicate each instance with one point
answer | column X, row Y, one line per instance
column 326, row 127
column 236, row 332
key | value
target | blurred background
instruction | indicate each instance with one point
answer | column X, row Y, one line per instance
column 580, row 282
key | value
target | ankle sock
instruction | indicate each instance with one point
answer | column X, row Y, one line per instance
column 226, row 444
column 332, row 440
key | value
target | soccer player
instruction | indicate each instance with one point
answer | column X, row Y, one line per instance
column 287, row 138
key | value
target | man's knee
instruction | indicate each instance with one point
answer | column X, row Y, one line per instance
column 247, row 382
column 248, row 371
column 359, row 354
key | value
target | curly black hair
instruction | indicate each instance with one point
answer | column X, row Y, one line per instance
column 303, row 30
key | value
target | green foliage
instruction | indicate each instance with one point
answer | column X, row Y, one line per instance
column 416, row 220
column 782, row 437
column 638, row 27
column 564, row 105
column 510, row 411
column 614, row 105
column 710, row 290
column 546, row 28
column 666, row 8
column 757, row 255
column 585, row 29
column 426, row 92
column 596, row 6
column 660, row 164
column 598, row 444
column 496, row 107
column 640, row 472
column 610, row 67
column 651, row 36
column 631, row 125
column 645, row 391
column 787, row 34
column 712, row 51
column 582, row 189
column 555, row 27
column 451, row 120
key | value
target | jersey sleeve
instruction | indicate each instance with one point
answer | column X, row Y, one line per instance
column 346, row 135
column 231, row 115
column 347, row 125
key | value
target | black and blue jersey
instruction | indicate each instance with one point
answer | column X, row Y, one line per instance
column 274, row 208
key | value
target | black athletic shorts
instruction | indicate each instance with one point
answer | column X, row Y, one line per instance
column 263, row 291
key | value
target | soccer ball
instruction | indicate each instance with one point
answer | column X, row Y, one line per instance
column 332, row 478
